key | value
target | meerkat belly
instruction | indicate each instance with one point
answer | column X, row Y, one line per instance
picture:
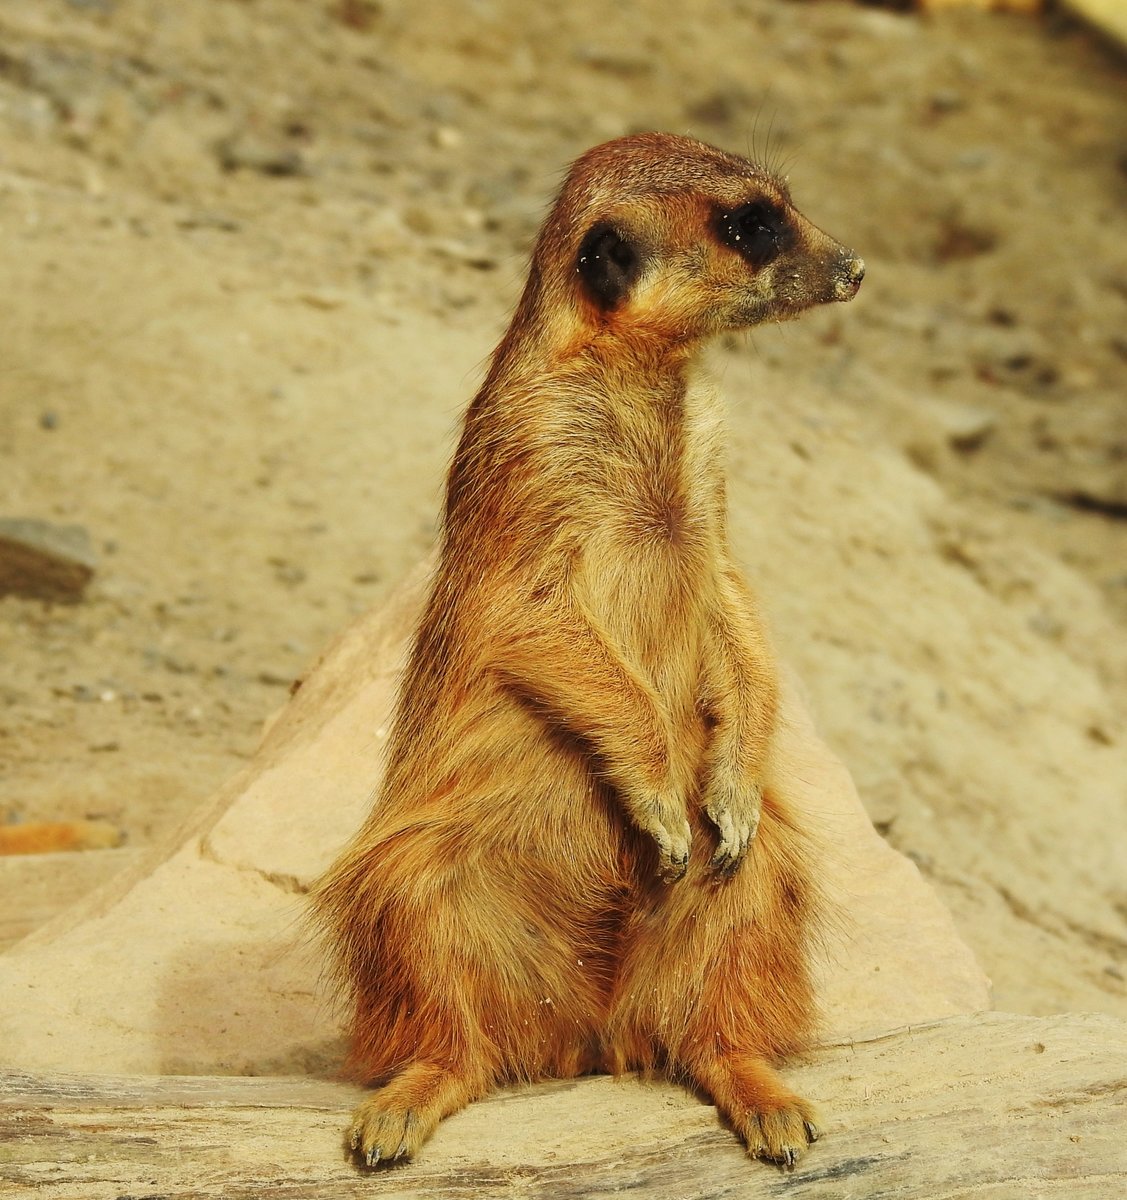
column 654, row 605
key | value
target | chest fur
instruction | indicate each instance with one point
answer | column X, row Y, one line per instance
column 663, row 483
column 655, row 530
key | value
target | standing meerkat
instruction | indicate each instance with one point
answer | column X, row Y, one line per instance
column 578, row 860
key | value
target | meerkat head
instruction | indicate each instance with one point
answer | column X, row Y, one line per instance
column 666, row 236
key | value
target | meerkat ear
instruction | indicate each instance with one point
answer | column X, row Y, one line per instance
column 608, row 264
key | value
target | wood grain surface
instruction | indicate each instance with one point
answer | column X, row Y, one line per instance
column 993, row 1105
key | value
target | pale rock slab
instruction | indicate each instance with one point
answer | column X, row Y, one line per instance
column 197, row 961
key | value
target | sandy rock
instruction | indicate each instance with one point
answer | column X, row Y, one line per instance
column 956, row 702
column 36, row 887
column 221, row 979
column 197, row 394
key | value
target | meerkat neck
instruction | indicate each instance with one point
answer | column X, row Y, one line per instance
column 625, row 362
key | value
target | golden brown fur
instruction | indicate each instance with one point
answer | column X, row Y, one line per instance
column 591, row 693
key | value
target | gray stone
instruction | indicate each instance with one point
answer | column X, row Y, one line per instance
column 45, row 560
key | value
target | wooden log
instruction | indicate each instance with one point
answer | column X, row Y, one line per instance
column 992, row 1105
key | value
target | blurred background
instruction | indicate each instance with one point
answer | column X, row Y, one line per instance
column 256, row 254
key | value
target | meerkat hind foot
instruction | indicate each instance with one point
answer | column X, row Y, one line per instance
column 774, row 1123
column 780, row 1135
column 383, row 1134
column 392, row 1124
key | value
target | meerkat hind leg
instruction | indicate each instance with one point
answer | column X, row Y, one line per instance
column 394, row 1122
column 773, row 1122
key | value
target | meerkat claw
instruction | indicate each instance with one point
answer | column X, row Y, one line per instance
column 729, row 837
column 672, row 864
column 725, row 862
column 674, row 867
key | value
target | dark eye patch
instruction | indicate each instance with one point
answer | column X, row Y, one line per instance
column 759, row 231
column 608, row 263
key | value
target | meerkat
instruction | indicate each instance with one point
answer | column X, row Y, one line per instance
column 578, row 860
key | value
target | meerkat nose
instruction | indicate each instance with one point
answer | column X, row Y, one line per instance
column 849, row 280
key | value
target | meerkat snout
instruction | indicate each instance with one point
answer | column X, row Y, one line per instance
column 851, row 272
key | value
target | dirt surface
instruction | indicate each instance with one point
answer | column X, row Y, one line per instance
column 257, row 253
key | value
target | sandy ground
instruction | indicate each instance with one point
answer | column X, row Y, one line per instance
column 258, row 250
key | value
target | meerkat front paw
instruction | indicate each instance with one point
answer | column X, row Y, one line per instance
column 734, row 810
column 664, row 818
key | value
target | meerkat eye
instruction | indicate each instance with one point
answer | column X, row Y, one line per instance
column 758, row 231
column 608, row 263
